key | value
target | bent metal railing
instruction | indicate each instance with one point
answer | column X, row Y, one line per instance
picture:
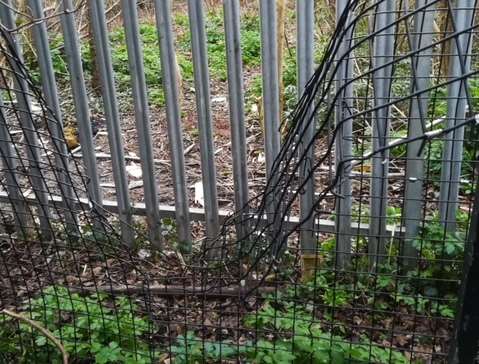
column 388, row 19
column 351, row 230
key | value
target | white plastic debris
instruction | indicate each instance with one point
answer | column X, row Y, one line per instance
column 199, row 196
column 134, row 170
column 261, row 158
column 143, row 253
column 219, row 100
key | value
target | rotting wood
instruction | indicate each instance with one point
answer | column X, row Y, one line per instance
column 178, row 290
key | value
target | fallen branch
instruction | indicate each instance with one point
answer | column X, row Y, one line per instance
column 166, row 290
column 37, row 326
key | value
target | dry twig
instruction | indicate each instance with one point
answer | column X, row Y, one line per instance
column 37, row 326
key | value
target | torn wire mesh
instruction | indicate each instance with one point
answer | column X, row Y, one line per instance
column 369, row 274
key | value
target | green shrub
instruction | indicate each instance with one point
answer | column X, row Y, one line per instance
column 298, row 339
column 58, row 59
column 215, row 45
column 251, row 40
column 151, row 61
column 303, row 341
column 119, row 53
column 90, row 328
column 442, row 253
column 189, row 349
column 215, row 38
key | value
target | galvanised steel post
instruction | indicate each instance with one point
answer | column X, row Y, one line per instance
column 142, row 117
column 31, row 138
column 305, row 68
column 422, row 67
column 271, row 111
column 53, row 113
column 202, row 92
column 80, row 97
column 10, row 158
column 103, row 57
column 460, row 64
column 232, row 20
column 343, row 145
column 173, row 115
column 383, row 54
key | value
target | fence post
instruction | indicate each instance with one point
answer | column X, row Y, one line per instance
column 231, row 9
column 343, row 145
column 53, row 113
column 202, row 92
column 142, row 118
column 10, row 157
column 462, row 19
column 80, row 97
column 305, row 65
column 422, row 68
column 464, row 348
column 31, row 138
column 271, row 111
column 269, row 63
column 175, row 135
column 383, row 54
column 103, row 56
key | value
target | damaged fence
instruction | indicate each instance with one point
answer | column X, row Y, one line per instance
column 352, row 251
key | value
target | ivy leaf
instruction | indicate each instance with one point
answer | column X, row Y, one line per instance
column 41, row 340
column 450, row 248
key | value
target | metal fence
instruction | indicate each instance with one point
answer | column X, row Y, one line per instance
column 355, row 247
column 383, row 52
column 382, row 56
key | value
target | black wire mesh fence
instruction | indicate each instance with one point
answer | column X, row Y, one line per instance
column 382, row 146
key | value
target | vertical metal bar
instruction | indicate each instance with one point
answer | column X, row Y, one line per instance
column 460, row 62
column 305, row 65
column 103, row 58
column 343, row 143
column 10, row 158
column 463, row 347
column 142, row 117
column 80, row 97
column 31, row 139
column 422, row 67
column 202, row 91
column 54, row 116
column 269, row 67
column 271, row 111
column 232, row 20
column 170, row 86
column 383, row 54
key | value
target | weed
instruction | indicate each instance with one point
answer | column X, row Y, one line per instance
column 58, row 59
column 151, row 62
column 303, row 341
column 189, row 349
column 215, row 38
column 91, row 328
column 299, row 340
column 251, row 41
column 442, row 253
